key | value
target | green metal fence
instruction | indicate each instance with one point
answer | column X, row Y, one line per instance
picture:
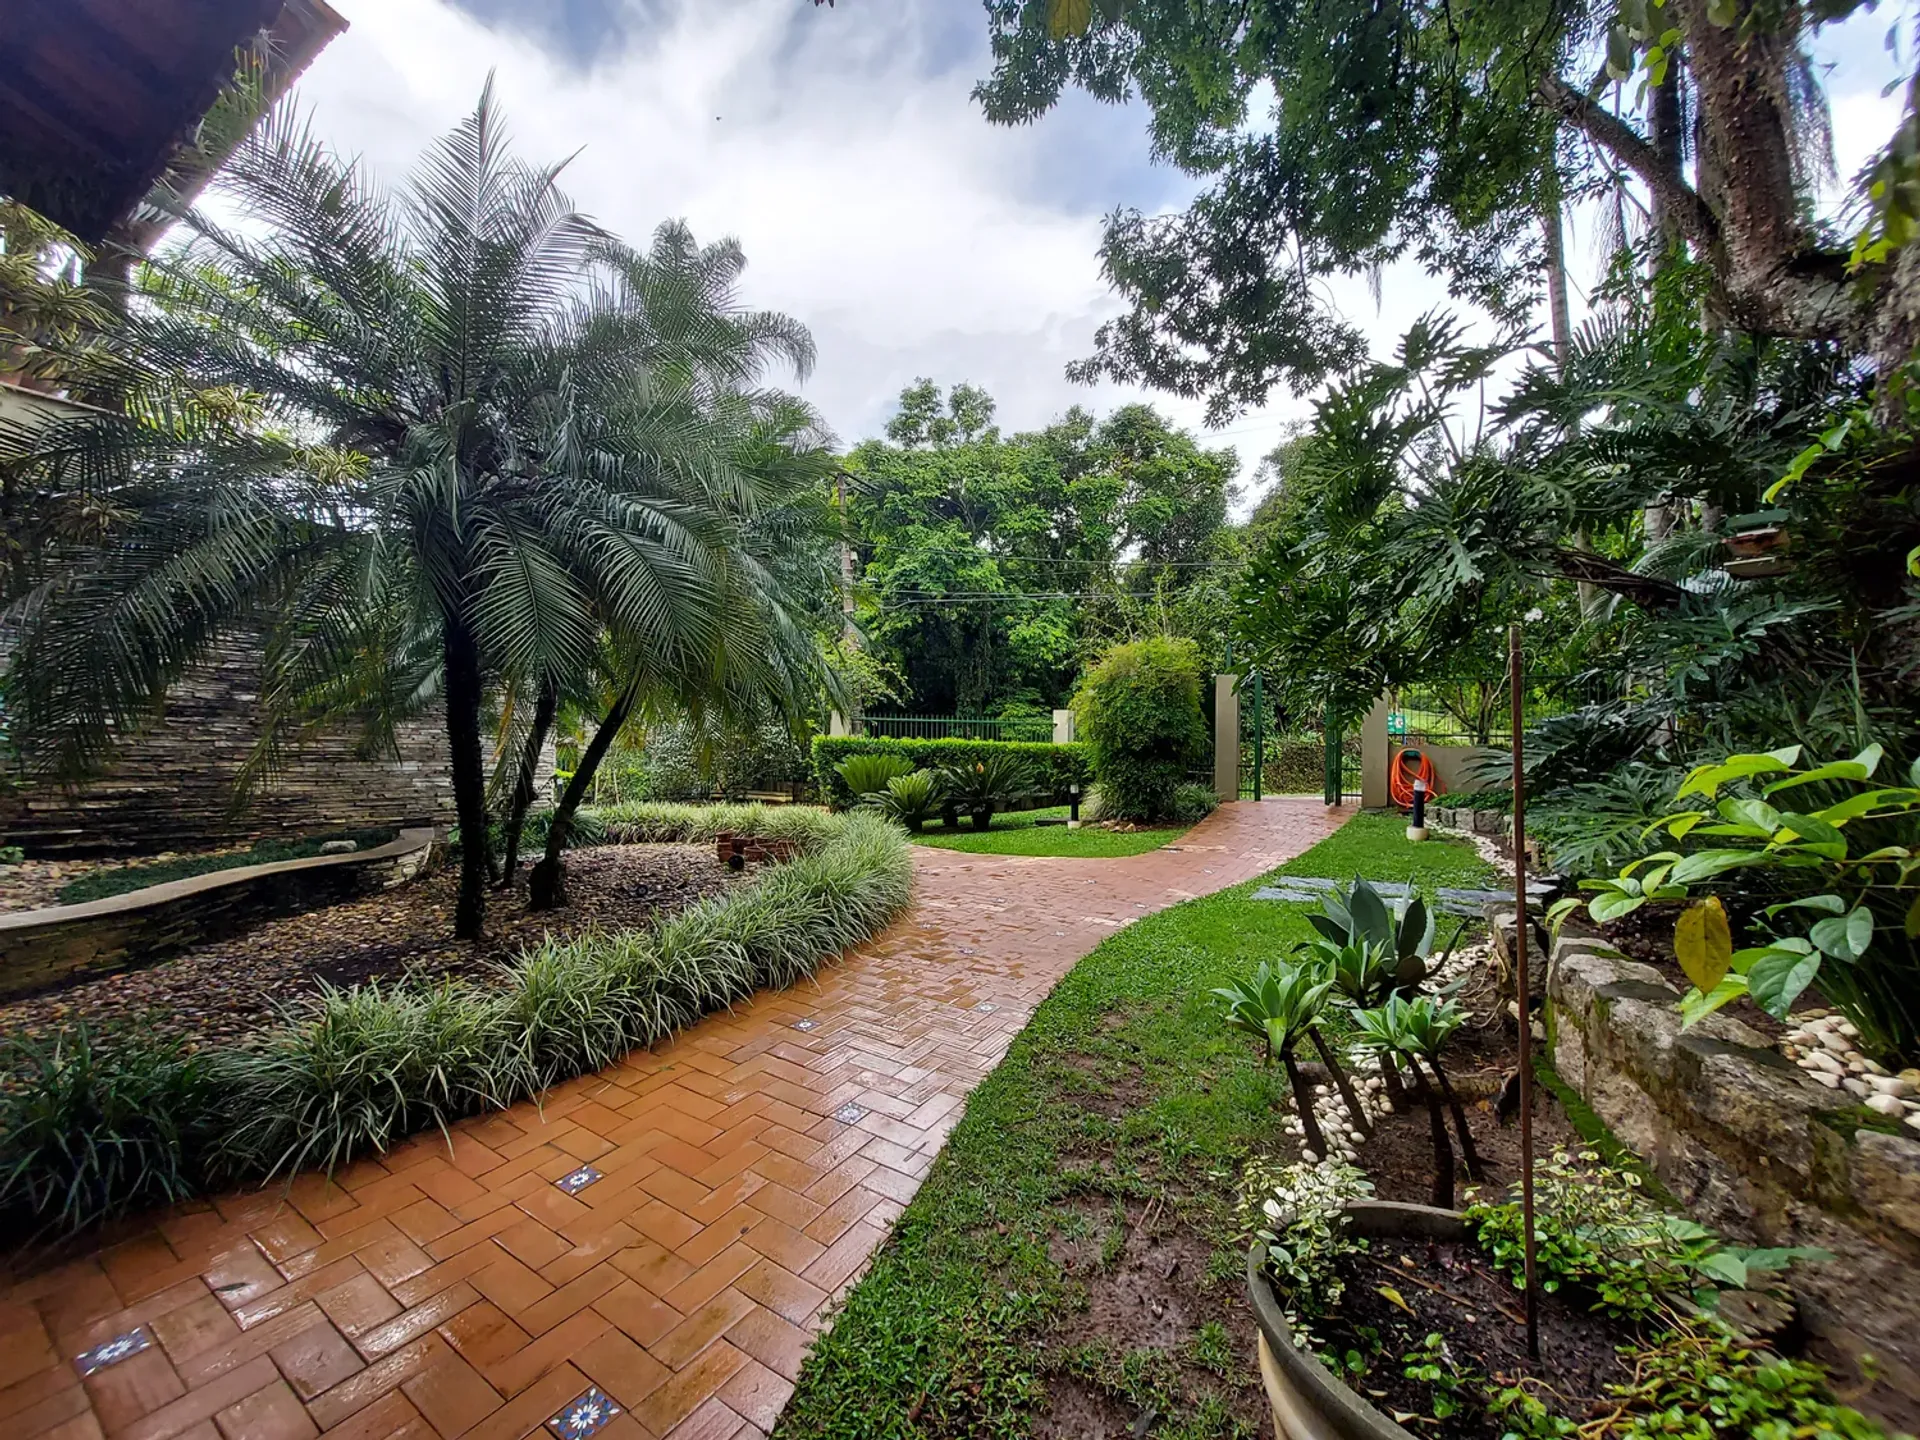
column 956, row 727
column 1479, row 712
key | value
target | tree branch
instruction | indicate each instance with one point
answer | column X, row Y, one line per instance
column 1618, row 138
column 1649, row 592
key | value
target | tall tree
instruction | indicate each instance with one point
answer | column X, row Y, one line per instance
column 357, row 422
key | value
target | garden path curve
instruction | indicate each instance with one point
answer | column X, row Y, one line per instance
column 748, row 1169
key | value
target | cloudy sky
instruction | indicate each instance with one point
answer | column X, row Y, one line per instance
column 842, row 148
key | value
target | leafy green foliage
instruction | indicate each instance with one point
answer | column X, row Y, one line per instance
column 1021, row 832
column 1299, row 1213
column 865, row 775
column 1192, row 803
column 986, row 784
column 1054, row 767
column 1397, row 936
column 912, row 799
column 1139, row 710
column 1276, row 1004
column 93, row 1132
column 90, row 1132
column 1831, row 855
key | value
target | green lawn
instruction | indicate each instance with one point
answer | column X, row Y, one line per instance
column 119, row 879
column 1123, row 1095
column 1017, row 834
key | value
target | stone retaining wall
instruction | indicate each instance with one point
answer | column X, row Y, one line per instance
column 1752, row 1147
column 171, row 786
column 41, row 949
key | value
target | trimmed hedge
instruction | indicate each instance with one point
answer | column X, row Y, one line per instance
column 88, row 1133
column 1054, row 767
column 1140, row 711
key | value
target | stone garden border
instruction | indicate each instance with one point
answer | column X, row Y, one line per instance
column 60, row 943
column 1751, row 1146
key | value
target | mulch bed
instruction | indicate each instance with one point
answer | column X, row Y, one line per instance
column 234, row 989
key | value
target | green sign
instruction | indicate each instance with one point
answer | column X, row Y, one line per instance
column 1396, row 722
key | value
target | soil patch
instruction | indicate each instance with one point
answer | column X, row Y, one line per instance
column 234, row 989
column 1401, row 1292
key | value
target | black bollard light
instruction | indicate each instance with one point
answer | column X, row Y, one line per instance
column 1417, row 830
column 1073, row 805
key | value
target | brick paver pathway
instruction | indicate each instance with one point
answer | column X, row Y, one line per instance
column 747, row 1171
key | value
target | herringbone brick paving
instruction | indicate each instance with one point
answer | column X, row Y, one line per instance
column 747, row 1171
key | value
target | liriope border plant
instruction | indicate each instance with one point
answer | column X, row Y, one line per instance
column 88, row 1133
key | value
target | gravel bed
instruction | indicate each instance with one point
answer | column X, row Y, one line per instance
column 35, row 883
column 235, row 988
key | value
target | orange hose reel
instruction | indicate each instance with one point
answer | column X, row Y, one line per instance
column 1408, row 766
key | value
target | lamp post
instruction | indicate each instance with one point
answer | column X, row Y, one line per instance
column 1417, row 822
column 1073, row 805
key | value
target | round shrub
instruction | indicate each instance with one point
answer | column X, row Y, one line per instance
column 1138, row 711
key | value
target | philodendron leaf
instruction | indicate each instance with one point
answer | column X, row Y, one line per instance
column 1845, row 937
column 1777, row 977
column 1612, row 904
column 1695, row 1007
column 1725, row 1267
column 1703, row 943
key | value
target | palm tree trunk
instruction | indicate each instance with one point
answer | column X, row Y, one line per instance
column 1303, row 1105
column 1442, row 1147
column 461, row 653
column 1339, row 1074
column 546, row 887
column 1469, row 1156
column 1390, row 1081
column 545, row 708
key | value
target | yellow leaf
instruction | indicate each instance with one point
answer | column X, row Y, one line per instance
column 1703, row 943
column 1394, row 1297
column 1069, row 17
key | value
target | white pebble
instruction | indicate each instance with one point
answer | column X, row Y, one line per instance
column 1856, row 1087
column 1913, row 1119
column 1824, row 1062
column 1886, row 1105
column 1873, row 1067
column 1890, row 1085
column 1836, row 1043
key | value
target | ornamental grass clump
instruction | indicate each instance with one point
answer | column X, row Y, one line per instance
column 86, row 1134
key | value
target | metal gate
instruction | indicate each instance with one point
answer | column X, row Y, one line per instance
column 1282, row 754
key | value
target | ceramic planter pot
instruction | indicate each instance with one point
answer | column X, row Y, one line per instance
column 1309, row 1401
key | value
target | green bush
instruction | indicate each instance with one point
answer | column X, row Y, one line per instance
column 1192, row 803
column 1053, row 767
column 980, row 787
column 911, row 799
column 1139, row 710
column 86, row 1134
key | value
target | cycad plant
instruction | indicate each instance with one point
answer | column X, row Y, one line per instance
column 911, row 799
column 1417, row 1030
column 986, row 785
column 1280, row 1004
column 869, row 774
column 406, row 446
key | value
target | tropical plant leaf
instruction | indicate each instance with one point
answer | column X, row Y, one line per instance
column 1703, row 943
column 1069, row 17
column 1777, row 978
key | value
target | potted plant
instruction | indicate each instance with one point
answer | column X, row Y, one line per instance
column 911, row 799
column 988, row 784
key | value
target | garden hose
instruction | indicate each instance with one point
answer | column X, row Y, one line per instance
column 1408, row 766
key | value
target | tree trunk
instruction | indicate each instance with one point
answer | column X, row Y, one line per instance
column 1442, row 1147
column 461, row 653
column 1340, row 1081
column 1469, row 1155
column 545, row 708
column 1303, row 1106
column 1390, row 1082
column 546, row 887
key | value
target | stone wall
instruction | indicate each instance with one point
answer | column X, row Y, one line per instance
column 1752, row 1147
column 41, row 949
column 171, row 786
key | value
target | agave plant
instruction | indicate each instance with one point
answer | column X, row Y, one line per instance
column 986, row 785
column 1417, row 1030
column 1404, row 930
column 868, row 774
column 1280, row 1004
column 911, row 799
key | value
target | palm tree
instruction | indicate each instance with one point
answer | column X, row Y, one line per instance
column 414, row 439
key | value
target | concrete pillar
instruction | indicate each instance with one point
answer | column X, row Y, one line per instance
column 1063, row 727
column 1226, row 737
column 837, row 724
column 1374, row 791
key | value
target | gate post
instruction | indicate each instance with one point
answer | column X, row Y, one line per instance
column 1063, row 727
column 1374, row 791
column 1226, row 737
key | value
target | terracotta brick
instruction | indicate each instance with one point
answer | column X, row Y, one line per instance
column 713, row 1277
column 274, row 1413
column 638, row 1312
column 316, row 1360
column 80, row 1427
column 198, row 1406
column 777, row 1202
column 569, row 1299
column 390, row 1416
column 137, row 1386
column 756, row 1393
column 843, row 1259
column 297, row 1292
column 729, row 1229
column 621, row 1368
column 358, row 1305
column 196, row 1326
column 546, row 1352
column 42, row 1400
column 781, row 1291
column 367, row 1386
column 583, row 1257
column 660, row 1222
column 396, row 1257
column 410, row 1324
column 690, row 1388
column 714, row 1420
column 700, row 1329
column 510, row 1285
column 784, row 1245
column 525, row 1413
column 842, row 1215
column 531, row 1243
column 775, row 1342
column 484, row 1334
column 452, row 1395
column 249, row 1344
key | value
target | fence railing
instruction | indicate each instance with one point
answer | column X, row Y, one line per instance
column 1480, row 712
column 956, row 727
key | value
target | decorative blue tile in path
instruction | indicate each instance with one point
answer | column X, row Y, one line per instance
column 575, row 1181
column 849, row 1113
column 113, row 1351
column 586, row 1414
